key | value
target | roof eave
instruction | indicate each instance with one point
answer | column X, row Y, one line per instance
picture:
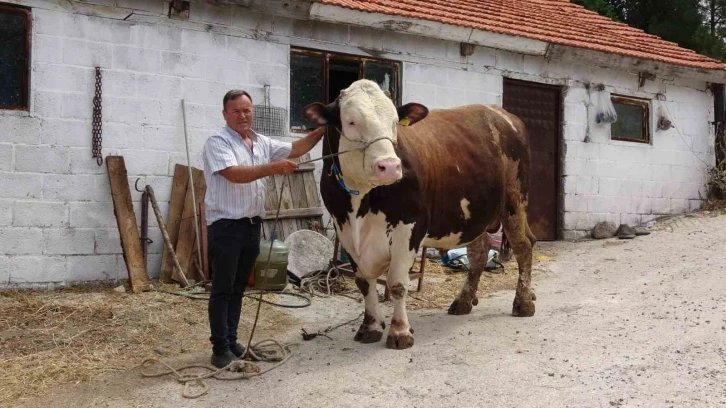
column 523, row 45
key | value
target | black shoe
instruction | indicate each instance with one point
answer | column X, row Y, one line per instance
column 238, row 350
column 222, row 360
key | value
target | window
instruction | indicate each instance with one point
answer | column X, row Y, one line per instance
column 318, row 76
column 633, row 124
column 14, row 56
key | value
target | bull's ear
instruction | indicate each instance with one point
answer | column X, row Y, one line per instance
column 321, row 114
column 411, row 113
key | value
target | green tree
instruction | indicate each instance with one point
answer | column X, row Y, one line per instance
column 602, row 7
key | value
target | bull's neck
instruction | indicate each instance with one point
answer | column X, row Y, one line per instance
column 331, row 146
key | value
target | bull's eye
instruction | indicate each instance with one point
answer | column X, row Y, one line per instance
column 352, row 123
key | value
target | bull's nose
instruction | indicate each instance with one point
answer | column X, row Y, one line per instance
column 388, row 170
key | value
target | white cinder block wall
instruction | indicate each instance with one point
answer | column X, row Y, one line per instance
column 56, row 216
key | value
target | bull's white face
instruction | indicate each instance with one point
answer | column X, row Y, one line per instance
column 368, row 118
column 368, row 121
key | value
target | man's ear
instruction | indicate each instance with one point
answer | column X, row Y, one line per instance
column 411, row 113
column 321, row 114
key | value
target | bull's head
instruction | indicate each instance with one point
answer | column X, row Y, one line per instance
column 366, row 117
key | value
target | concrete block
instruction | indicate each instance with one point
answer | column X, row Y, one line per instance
column 87, row 54
column 153, row 6
column 184, row 65
column 365, row 38
column 694, row 205
column 47, row 21
column 274, row 75
column 121, row 135
column 652, row 188
column 91, row 268
column 37, row 269
column 20, row 241
column 574, row 235
column 575, row 203
column 136, row 59
column 60, row 78
column 534, row 65
column 642, row 205
column 92, row 215
column 108, row 30
column 660, row 172
column 154, row 266
column 19, row 185
column 66, row 132
column 208, row 93
column 47, row 104
column 167, row 138
column 158, row 87
column 570, row 184
column 6, row 212
column 171, row 114
column 19, row 129
column 661, row 206
column 69, row 241
column 631, row 188
column 158, row 37
column 76, row 187
column 42, row 159
column 75, row 26
column 609, row 187
column 6, row 157
column 575, row 113
column 83, row 163
column 108, row 241
column 204, row 43
column 418, row 92
column 134, row 110
column 509, row 61
column 40, row 214
column 571, row 220
column 575, row 131
column 679, row 205
column 630, row 219
column 245, row 49
column 4, row 270
column 145, row 162
column 47, row 49
column 607, row 204
column 213, row 118
column 77, row 106
column 587, row 185
column 162, row 188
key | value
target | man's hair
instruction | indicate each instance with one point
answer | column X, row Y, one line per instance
column 232, row 95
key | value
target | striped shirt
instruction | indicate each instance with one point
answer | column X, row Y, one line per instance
column 225, row 199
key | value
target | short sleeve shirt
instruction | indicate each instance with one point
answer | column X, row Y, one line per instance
column 225, row 199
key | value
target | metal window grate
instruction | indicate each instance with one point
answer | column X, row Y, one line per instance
column 270, row 120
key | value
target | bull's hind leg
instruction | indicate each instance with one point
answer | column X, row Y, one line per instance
column 371, row 330
column 478, row 253
column 522, row 240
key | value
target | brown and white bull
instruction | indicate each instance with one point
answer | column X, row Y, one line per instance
column 437, row 179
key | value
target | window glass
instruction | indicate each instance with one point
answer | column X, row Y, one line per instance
column 632, row 122
column 13, row 58
column 306, row 86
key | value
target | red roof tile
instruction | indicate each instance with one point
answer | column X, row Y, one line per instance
column 552, row 21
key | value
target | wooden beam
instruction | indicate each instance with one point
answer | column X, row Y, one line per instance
column 179, row 186
column 295, row 213
column 126, row 220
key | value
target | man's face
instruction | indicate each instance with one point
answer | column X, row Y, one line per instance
column 238, row 114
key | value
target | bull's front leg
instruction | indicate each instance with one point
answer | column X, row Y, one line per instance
column 400, row 334
column 371, row 330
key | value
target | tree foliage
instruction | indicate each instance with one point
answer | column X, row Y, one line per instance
column 699, row 25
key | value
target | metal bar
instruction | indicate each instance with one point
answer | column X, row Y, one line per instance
column 145, row 226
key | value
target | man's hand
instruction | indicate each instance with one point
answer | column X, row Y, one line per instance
column 284, row 167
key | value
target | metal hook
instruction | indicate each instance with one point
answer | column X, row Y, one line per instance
column 136, row 185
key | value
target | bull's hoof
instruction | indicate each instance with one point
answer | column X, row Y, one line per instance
column 399, row 341
column 460, row 307
column 523, row 308
column 366, row 335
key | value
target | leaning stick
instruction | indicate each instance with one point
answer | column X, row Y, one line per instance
column 162, row 227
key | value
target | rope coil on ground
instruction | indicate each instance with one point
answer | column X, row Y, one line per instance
column 269, row 350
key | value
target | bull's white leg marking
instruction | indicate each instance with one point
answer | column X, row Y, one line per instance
column 400, row 335
column 465, row 208
column 502, row 114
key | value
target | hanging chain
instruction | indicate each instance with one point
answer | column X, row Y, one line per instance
column 97, row 120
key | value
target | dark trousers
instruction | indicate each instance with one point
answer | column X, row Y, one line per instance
column 233, row 246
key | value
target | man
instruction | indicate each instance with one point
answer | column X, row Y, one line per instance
column 236, row 161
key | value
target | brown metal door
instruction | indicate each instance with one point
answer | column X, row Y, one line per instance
column 538, row 106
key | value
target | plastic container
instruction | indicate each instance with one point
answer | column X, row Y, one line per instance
column 274, row 276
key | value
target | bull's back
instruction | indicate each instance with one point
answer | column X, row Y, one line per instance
column 458, row 156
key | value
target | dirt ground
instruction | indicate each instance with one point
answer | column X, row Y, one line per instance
column 618, row 323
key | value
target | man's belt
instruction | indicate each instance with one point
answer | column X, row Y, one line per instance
column 244, row 221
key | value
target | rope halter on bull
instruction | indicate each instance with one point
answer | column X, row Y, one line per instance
column 335, row 170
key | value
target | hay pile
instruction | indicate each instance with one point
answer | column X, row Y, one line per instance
column 70, row 335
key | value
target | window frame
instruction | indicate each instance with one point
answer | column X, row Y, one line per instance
column 327, row 56
column 25, row 78
column 640, row 102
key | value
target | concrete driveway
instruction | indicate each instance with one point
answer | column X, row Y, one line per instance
column 618, row 323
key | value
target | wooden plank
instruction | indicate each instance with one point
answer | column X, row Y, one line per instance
column 186, row 242
column 295, row 213
column 176, row 207
column 126, row 220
